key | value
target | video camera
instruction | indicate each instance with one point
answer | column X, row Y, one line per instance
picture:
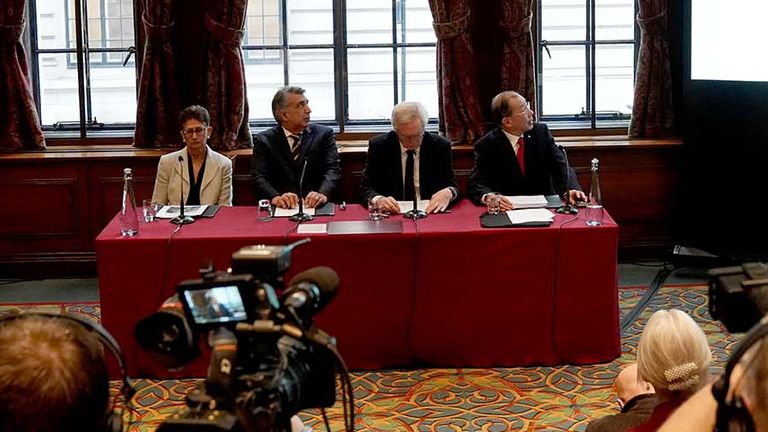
column 267, row 360
column 738, row 295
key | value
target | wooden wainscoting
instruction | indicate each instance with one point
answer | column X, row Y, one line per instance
column 55, row 202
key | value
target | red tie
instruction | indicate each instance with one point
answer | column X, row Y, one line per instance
column 521, row 154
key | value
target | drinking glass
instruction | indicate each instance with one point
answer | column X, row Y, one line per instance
column 493, row 202
column 150, row 209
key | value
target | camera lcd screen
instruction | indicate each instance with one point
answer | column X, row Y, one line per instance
column 216, row 305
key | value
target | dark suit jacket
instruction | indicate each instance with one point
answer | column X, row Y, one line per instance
column 274, row 172
column 383, row 174
column 637, row 411
column 497, row 170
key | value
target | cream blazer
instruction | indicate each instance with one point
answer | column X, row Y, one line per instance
column 216, row 188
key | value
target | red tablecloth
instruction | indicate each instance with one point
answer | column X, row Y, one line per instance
column 444, row 291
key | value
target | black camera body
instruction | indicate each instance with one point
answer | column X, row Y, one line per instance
column 267, row 360
column 738, row 295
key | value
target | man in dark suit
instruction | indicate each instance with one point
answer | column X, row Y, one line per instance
column 519, row 157
column 279, row 154
column 384, row 178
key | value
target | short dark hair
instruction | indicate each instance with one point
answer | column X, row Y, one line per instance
column 280, row 99
column 500, row 106
column 53, row 376
column 195, row 112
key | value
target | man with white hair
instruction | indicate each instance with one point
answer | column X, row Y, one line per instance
column 408, row 162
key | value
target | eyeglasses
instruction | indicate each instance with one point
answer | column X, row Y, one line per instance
column 525, row 110
column 194, row 131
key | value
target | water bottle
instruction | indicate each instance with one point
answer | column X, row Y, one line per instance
column 129, row 216
column 594, row 210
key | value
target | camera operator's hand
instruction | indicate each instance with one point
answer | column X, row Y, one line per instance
column 287, row 200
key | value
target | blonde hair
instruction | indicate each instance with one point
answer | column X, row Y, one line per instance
column 673, row 354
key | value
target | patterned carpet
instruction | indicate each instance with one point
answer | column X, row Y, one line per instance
column 562, row 398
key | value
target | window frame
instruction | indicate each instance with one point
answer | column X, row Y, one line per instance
column 588, row 118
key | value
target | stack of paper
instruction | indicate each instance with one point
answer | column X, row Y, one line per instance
column 529, row 216
column 406, row 206
column 281, row 212
column 169, row 212
column 527, row 201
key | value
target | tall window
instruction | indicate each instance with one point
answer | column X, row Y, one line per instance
column 384, row 53
column 587, row 57
column 356, row 58
column 79, row 48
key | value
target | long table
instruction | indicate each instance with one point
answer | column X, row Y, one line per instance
column 443, row 292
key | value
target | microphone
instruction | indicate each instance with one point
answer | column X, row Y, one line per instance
column 181, row 219
column 301, row 216
column 566, row 208
column 311, row 290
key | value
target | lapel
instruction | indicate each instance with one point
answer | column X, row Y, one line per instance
column 284, row 151
column 397, row 160
column 425, row 158
column 307, row 141
column 211, row 170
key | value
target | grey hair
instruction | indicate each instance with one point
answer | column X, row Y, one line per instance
column 673, row 353
column 407, row 111
column 280, row 99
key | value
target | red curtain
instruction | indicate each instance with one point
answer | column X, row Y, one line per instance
column 17, row 106
column 158, row 103
column 226, row 90
column 517, row 67
column 461, row 117
column 652, row 110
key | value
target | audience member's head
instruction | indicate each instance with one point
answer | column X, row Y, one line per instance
column 628, row 384
column 749, row 382
column 52, row 376
column 673, row 354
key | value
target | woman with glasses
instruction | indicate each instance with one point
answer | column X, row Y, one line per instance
column 201, row 174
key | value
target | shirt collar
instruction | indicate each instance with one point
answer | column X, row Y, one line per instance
column 512, row 138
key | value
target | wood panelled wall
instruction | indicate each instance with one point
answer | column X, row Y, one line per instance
column 54, row 203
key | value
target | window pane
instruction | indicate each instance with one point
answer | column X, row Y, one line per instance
column 564, row 81
column 312, row 69
column 52, row 24
column 614, row 19
column 418, row 77
column 563, row 20
column 371, row 90
column 262, row 23
column 113, row 94
column 58, row 90
column 615, row 78
column 369, row 21
column 414, row 23
column 310, row 22
column 263, row 79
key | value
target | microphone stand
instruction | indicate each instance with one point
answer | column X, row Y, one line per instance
column 566, row 208
column 181, row 219
column 301, row 216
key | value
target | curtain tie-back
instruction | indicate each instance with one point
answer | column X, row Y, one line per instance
column 11, row 33
column 516, row 29
column 452, row 29
column 656, row 24
column 232, row 37
column 156, row 32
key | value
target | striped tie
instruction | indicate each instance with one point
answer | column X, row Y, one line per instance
column 295, row 146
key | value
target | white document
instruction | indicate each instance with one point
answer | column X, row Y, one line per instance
column 318, row 228
column 406, row 206
column 170, row 212
column 281, row 212
column 529, row 215
column 527, row 201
